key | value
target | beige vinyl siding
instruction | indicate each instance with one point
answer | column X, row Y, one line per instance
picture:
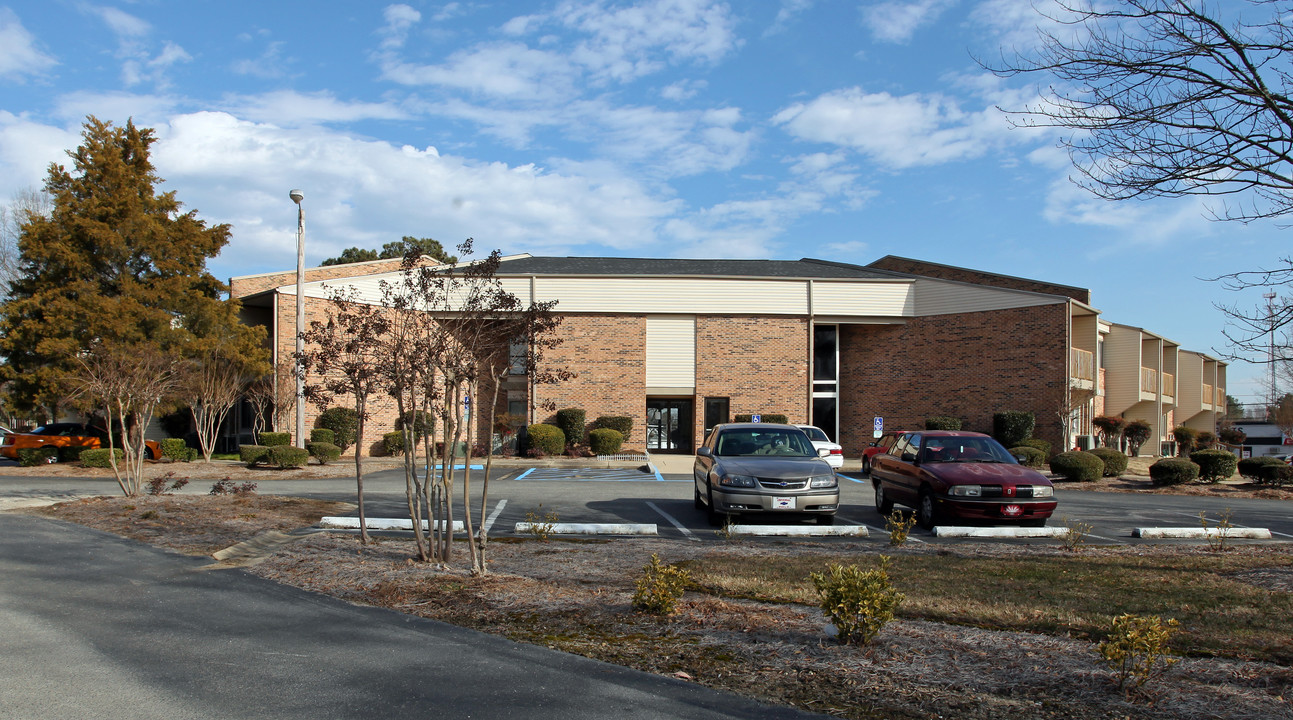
column 671, row 352
column 882, row 299
column 1122, row 348
column 1189, row 383
column 938, row 297
column 674, row 295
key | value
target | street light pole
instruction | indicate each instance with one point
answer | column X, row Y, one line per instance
column 297, row 196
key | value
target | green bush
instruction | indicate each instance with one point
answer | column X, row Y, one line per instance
column 1115, row 460
column 605, row 441
column 253, row 454
column 1110, row 427
column 177, row 449
column 1185, row 438
column 323, row 452
column 286, row 456
column 1172, row 471
column 343, row 422
column 1135, row 647
column 623, row 424
column 274, row 439
column 1214, row 465
column 660, row 586
column 1137, row 433
column 1032, row 457
column 1277, row 475
column 71, row 454
column 1012, row 427
column 1077, row 466
column 1040, row 444
column 571, row 422
column 859, row 602
column 547, row 438
column 31, row 457
column 942, row 423
column 1251, row 468
column 98, row 457
column 1205, row 440
column 1231, row 435
column 393, row 443
column 323, row 435
column 422, row 421
column 778, row 418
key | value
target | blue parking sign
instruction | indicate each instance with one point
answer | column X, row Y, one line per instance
column 756, row 418
column 879, row 427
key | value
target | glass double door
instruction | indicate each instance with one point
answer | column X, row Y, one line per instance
column 669, row 425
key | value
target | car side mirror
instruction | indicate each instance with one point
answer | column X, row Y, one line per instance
column 704, row 451
column 909, row 457
column 1019, row 458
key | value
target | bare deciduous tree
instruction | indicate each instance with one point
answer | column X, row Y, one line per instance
column 26, row 204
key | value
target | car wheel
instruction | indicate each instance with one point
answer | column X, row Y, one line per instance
column 825, row 519
column 697, row 500
column 53, row 458
column 148, row 454
column 866, row 465
column 883, row 504
column 926, row 514
column 714, row 517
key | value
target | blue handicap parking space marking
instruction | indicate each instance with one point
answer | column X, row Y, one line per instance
column 592, row 475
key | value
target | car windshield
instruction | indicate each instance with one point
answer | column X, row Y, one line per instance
column 964, row 449
column 815, row 434
column 784, row 443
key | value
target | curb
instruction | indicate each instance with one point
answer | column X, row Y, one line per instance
column 1168, row 532
column 801, row 530
column 352, row 523
column 999, row 532
column 588, row 528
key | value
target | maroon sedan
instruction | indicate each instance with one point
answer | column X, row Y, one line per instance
column 965, row 475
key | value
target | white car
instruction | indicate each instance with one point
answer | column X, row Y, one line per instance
column 835, row 455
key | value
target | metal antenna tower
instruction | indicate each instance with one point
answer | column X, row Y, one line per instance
column 1272, row 390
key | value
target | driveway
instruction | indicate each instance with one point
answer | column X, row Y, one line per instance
column 92, row 625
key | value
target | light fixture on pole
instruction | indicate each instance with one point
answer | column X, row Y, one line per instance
column 297, row 196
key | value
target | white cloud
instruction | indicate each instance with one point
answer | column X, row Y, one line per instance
column 288, row 108
column 683, row 89
column 897, row 22
column 270, row 65
column 118, row 107
column 790, row 9
column 505, row 70
column 26, row 150
column 630, row 42
column 123, row 24
column 399, row 18
column 19, row 56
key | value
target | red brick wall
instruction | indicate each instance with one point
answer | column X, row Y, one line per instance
column 759, row 363
column 608, row 355
column 967, row 365
column 945, row 272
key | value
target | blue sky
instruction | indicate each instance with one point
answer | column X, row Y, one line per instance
column 670, row 128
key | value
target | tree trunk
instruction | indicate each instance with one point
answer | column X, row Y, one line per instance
column 361, row 408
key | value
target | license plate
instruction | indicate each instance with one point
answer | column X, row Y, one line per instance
column 783, row 503
column 1011, row 510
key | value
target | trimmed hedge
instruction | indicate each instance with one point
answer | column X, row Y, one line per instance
column 177, row 449
column 343, row 422
column 323, row 452
column 1115, row 460
column 1077, row 466
column 1012, row 427
column 253, row 454
column 1277, row 475
column 1251, row 468
column 1032, row 457
column 623, row 424
column 605, row 441
column 571, row 422
column 31, row 457
column 274, row 439
column 1185, row 437
column 98, row 457
column 393, row 443
column 287, row 456
column 1214, row 465
column 942, row 423
column 1173, row 471
column 777, row 418
column 1040, row 444
column 323, row 435
column 72, row 454
column 547, row 438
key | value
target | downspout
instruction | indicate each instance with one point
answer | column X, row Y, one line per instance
column 812, row 353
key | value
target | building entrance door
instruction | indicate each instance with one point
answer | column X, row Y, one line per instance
column 669, row 425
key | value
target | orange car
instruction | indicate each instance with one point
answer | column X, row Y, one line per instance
column 57, row 435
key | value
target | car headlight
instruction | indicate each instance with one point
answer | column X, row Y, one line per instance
column 1043, row 491
column 822, row 481
column 737, row 481
column 966, row 491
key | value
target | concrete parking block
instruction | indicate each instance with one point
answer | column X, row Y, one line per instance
column 801, row 530
column 352, row 523
column 526, row 528
column 961, row 531
column 1198, row 532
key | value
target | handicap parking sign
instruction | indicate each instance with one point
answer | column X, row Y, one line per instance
column 756, row 418
column 879, row 427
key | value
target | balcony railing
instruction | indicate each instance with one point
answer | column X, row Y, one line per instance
column 1082, row 364
column 1209, row 394
column 1149, row 380
column 1169, row 385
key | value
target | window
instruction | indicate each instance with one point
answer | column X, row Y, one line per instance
column 518, row 356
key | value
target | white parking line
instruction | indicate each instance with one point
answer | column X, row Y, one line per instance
column 489, row 521
column 674, row 522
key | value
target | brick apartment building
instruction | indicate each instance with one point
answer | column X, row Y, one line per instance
column 680, row 345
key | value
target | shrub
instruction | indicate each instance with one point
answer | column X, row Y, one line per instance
column 1137, row 432
column 660, row 586
column 1078, row 466
column 1277, row 475
column 1185, row 438
column 763, row 417
column 1038, row 443
column 226, row 487
column 859, row 602
column 253, row 454
column 623, row 424
column 1110, row 427
column 393, row 443
column 1205, row 440
column 286, row 456
column 343, row 422
column 1135, row 646
column 98, row 457
column 163, row 484
column 605, row 441
column 571, row 422
column 71, row 454
column 1172, row 471
column 1115, row 460
column 274, row 439
column 547, row 439
column 177, row 449
column 323, row 435
column 323, row 452
column 1232, row 435
column 942, row 423
column 1012, row 427
column 31, row 457
column 1251, row 468
column 1032, row 457
column 1214, row 465
column 422, row 421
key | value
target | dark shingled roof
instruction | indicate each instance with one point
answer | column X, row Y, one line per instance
column 806, row 268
